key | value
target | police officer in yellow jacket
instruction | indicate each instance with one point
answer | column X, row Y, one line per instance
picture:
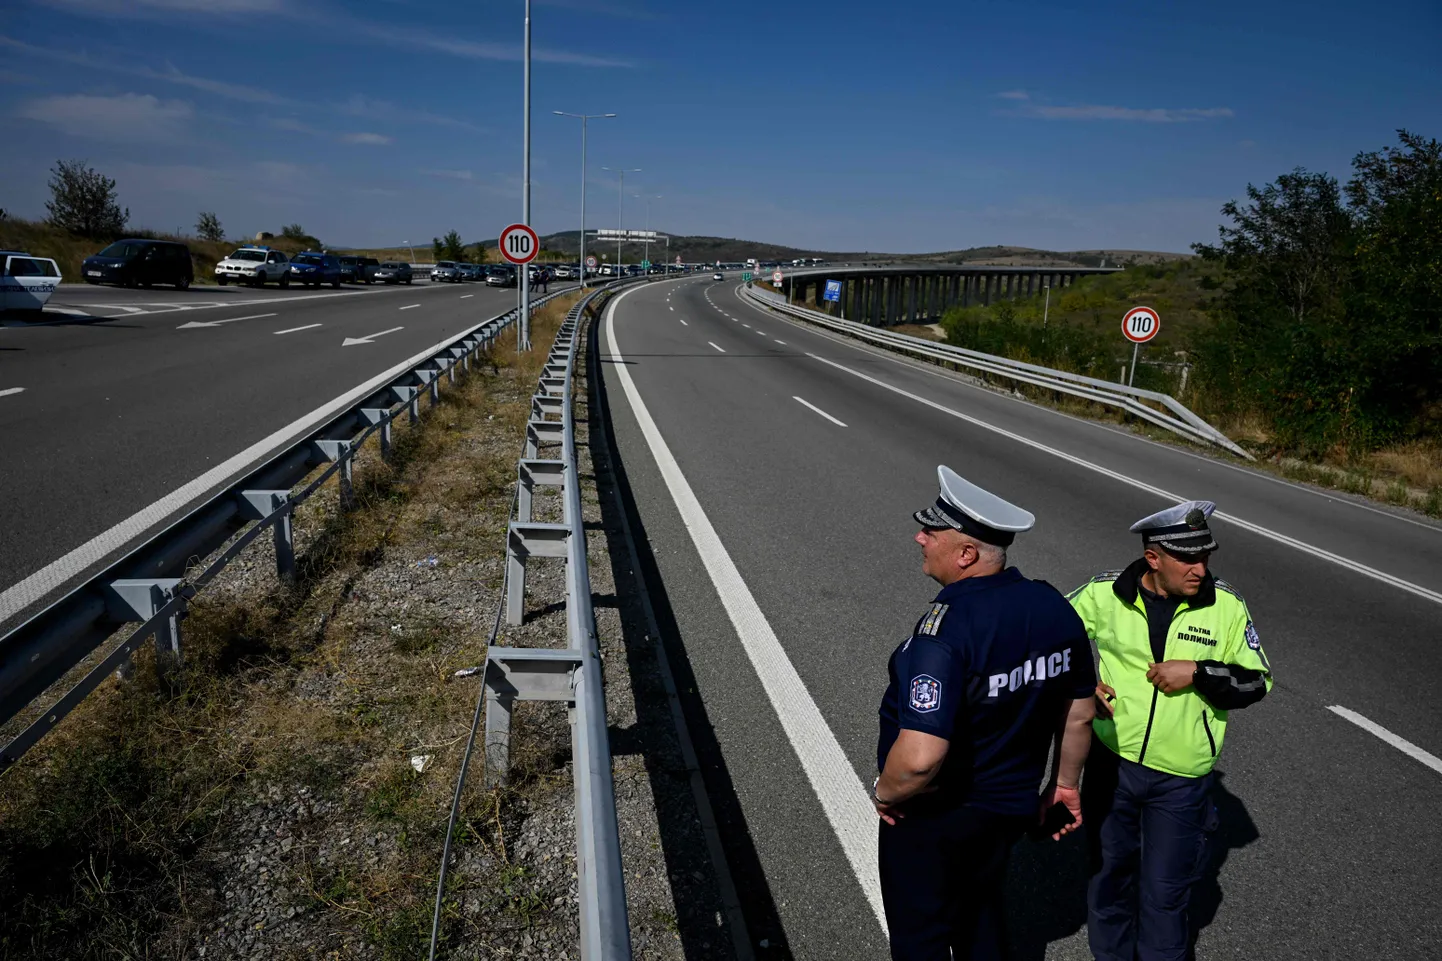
column 1177, row 652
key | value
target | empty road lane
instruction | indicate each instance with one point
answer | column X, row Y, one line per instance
column 774, row 469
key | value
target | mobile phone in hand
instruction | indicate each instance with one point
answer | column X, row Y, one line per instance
column 1057, row 817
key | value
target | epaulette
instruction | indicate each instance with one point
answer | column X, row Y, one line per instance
column 931, row 623
column 1222, row 585
column 1103, row 578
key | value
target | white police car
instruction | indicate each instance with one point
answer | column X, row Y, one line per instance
column 26, row 282
column 254, row 265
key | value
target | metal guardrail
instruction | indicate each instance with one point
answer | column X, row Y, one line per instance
column 153, row 582
column 572, row 675
column 1180, row 420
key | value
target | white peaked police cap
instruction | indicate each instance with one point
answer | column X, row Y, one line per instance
column 978, row 513
column 1181, row 529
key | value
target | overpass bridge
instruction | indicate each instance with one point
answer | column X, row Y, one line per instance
column 900, row 294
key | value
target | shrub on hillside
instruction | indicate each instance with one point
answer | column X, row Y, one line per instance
column 83, row 201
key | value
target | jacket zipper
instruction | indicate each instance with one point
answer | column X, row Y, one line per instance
column 1152, row 713
column 1211, row 741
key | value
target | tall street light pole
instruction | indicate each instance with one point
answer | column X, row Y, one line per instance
column 647, row 241
column 583, row 117
column 523, row 333
column 621, row 211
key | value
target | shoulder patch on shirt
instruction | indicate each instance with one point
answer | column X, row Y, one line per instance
column 1106, row 576
column 931, row 623
column 925, row 694
column 1253, row 641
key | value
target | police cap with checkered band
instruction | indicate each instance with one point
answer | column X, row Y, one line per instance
column 1181, row 529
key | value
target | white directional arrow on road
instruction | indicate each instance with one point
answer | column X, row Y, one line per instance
column 368, row 338
column 217, row 323
column 11, row 390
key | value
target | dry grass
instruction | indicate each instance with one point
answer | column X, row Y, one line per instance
column 119, row 832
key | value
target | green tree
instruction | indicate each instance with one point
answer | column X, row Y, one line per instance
column 452, row 246
column 438, row 249
column 83, row 201
column 1396, row 298
column 294, row 232
column 208, row 226
column 1282, row 343
column 481, row 252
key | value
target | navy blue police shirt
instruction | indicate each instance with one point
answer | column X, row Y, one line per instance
column 991, row 667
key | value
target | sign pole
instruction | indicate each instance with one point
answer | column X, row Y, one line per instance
column 1132, row 374
column 523, row 332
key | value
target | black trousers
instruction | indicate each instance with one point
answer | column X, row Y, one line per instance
column 943, row 872
column 1150, row 838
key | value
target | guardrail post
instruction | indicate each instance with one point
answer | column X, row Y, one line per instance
column 260, row 504
column 533, row 474
column 141, row 600
column 382, row 417
column 523, row 541
column 521, row 674
column 340, row 450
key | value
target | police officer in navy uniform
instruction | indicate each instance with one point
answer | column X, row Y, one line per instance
column 997, row 671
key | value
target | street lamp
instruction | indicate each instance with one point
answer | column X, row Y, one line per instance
column 583, row 117
column 523, row 330
column 647, row 239
column 621, row 212
column 407, row 245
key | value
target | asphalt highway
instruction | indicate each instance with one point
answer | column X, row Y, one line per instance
column 773, row 470
column 123, row 396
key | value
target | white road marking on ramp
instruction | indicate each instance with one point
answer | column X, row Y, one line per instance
column 683, row 321
column 1351, row 565
column 291, row 330
column 713, row 344
column 818, row 410
column 1400, row 743
column 216, row 323
column 11, row 390
column 352, row 341
column 410, row 307
column 843, row 797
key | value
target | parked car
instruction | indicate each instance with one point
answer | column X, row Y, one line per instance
column 255, row 266
column 566, row 272
column 393, row 272
column 472, row 272
column 26, row 282
column 313, row 269
column 140, row 262
column 501, row 275
column 446, row 270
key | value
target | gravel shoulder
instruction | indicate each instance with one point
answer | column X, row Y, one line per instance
column 288, row 798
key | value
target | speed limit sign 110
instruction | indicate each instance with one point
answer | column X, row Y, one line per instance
column 1141, row 324
column 519, row 244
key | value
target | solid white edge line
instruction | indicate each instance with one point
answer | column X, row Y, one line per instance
column 806, row 403
column 1372, row 572
column 842, row 795
column 59, row 572
column 292, row 330
column 713, row 344
column 1400, row 743
column 11, row 390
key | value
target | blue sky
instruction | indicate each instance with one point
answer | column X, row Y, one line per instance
column 839, row 126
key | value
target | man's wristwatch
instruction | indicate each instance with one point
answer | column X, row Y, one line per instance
column 874, row 799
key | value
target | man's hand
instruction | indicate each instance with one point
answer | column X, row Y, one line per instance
column 1170, row 677
column 1071, row 797
column 1105, row 695
column 888, row 812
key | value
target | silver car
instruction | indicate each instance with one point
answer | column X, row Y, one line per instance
column 447, row 270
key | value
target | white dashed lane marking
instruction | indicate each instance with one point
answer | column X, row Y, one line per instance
column 722, row 349
column 291, row 330
column 11, row 390
column 818, row 410
column 1400, row 743
column 410, row 306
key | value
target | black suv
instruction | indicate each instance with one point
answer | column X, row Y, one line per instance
column 133, row 263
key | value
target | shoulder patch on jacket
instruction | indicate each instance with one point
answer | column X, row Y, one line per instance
column 1106, row 576
column 931, row 623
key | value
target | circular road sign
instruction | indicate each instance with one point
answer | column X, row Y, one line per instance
column 591, row 261
column 1141, row 324
column 519, row 244
column 776, row 277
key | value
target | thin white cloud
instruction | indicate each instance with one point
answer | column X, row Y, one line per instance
column 1134, row 114
column 447, row 174
column 385, row 110
column 292, row 125
column 478, row 50
column 129, row 117
column 171, row 74
column 1014, row 95
column 374, row 139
